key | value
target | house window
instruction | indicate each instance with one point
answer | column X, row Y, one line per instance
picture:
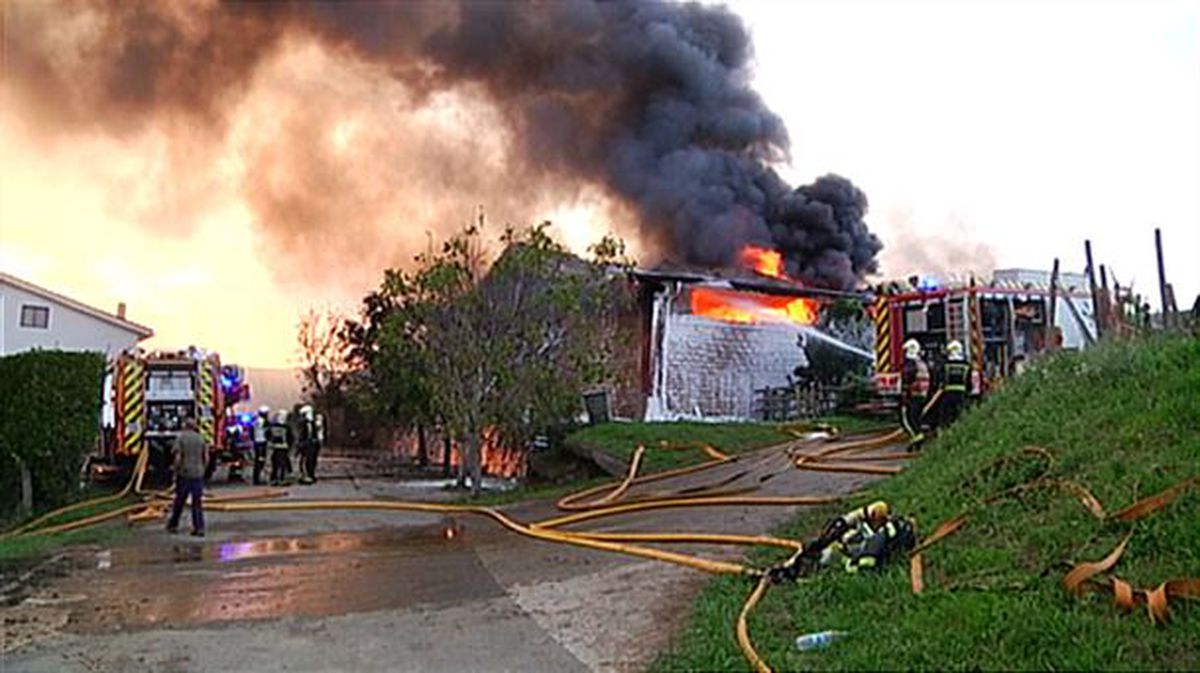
column 37, row 317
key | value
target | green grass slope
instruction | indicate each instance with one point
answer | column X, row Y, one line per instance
column 1124, row 421
column 622, row 439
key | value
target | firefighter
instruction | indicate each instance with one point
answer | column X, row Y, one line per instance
column 838, row 533
column 871, row 551
column 261, row 421
column 955, row 375
column 915, row 391
column 306, row 440
column 279, row 440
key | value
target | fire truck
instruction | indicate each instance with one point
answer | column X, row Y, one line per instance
column 999, row 324
column 148, row 397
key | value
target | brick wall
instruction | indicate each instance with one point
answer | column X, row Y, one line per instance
column 713, row 368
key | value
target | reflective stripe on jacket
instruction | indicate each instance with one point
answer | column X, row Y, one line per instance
column 957, row 375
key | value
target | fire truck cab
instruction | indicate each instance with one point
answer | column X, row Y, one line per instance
column 148, row 397
column 999, row 325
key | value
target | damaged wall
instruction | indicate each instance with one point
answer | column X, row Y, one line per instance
column 704, row 368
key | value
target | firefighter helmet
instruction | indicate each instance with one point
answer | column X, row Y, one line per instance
column 954, row 350
column 264, row 410
column 878, row 510
column 912, row 348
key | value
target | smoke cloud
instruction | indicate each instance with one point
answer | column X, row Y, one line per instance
column 352, row 128
column 953, row 248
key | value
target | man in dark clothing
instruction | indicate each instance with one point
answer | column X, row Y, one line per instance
column 955, row 375
column 190, row 453
column 260, row 443
column 279, row 440
column 306, row 439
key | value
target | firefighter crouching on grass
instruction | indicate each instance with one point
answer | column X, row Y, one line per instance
column 915, row 391
column 955, row 375
column 279, row 440
column 862, row 539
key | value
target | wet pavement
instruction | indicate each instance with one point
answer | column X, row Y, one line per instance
column 188, row 583
column 386, row 590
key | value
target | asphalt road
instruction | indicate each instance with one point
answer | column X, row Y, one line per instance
column 387, row 591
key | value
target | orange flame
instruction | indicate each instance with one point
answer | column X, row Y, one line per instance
column 499, row 460
column 751, row 308
column 763, row 260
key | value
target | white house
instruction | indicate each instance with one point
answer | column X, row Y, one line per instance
column 34, row 317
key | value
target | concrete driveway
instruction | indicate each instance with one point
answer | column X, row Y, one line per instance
column 390, row 591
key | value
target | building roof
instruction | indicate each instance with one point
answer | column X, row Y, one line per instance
column 743, row 282
column 140, row 330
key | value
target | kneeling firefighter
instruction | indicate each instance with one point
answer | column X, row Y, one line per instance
column 864, row 537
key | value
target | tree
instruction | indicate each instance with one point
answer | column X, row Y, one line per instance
column 325, row 357
column 506, row 349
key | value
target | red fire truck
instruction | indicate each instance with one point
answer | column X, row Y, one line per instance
column 999, row 324
column 149, row 396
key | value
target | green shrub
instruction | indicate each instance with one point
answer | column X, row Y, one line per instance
column 49, row 419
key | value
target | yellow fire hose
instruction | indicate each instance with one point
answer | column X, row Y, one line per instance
column 609, row 503
column 135, row 481
column 151, row 506
column 537, row 533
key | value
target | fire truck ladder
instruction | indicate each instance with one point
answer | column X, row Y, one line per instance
column 956, row 320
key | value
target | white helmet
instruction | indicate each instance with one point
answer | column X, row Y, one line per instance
column 306, row 412
column 954, row 350
column 264, row 410
column 912, row 348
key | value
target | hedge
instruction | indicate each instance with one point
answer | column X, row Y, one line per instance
column 49, row 418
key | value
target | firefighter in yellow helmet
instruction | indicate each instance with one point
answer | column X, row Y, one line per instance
column 914, row 391
column 871, row 549
column 956, row 373
column 839, row 533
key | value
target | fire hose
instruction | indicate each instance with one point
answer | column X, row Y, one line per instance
column 151, row 505
column 605, row 501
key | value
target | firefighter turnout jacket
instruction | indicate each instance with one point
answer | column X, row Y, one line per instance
column 956, row 374
column 877, row 547
column 916, row 377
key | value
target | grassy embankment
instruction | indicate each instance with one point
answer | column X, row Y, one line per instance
column 1124, row 421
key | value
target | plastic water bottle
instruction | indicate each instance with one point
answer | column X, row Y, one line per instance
column 813, row 641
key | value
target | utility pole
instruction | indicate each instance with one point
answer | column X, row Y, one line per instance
column 1091, row 274
column 1050, row 341
column 1162, row 279
column 1105, row 300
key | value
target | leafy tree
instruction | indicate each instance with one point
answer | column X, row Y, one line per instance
column 508, row 349
column 324, row 354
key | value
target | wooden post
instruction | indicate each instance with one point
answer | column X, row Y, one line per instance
column 1105, row 300
column 1162, row 278
column 1051, row 315
column 1091, row 274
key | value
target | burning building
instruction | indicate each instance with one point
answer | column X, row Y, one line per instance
column 709, row 340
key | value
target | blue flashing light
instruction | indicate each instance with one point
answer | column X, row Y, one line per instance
column 246, row 418
column 928, row 284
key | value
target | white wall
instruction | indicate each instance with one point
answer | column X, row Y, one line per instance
column 69, row 329
column 713, row 368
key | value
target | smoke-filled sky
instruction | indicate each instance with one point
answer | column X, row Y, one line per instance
column 321, row 146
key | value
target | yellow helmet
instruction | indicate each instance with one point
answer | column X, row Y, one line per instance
column 954, row 349
column 878, row 510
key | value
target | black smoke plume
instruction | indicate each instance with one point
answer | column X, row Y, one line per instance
column 649, row 101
